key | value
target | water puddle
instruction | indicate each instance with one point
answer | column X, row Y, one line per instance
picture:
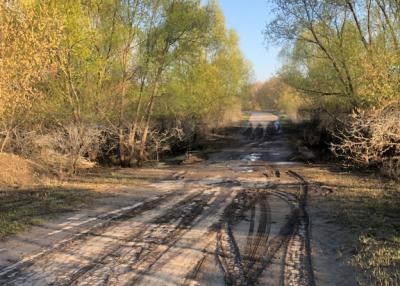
column 252, row 157
column 244, row 168
column 283, row 163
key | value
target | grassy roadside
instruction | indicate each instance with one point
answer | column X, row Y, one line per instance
column 370, row 207
column 24, row 207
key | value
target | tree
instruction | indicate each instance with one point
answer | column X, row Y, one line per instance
column 343, row 56
column 333, row 46
column 214, row 81
column 119, row 66
column 278, row 95
column 29, row 34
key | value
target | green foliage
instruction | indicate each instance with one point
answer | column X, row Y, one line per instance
column 278, row 95
column 213, row 82
column 340, row 54
column 119, row 64
column 28, row 46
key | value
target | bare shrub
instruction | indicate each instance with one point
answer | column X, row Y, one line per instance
column 71, row 148
column 373, row 138
column 19, row 141
column 162, row 140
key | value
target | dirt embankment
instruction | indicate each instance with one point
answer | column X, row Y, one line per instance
column 16, row 171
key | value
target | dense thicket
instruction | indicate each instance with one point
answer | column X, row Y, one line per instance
column 343, row 57
column 113, row 77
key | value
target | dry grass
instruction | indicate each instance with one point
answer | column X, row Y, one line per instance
column 24, row 206
column 370, row 207
column 15, row 171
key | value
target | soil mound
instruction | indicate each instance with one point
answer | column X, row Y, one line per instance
column 16, row 171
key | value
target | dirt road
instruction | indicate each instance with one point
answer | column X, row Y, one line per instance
column 239, row 218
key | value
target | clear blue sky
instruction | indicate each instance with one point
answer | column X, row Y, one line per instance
column 248, row 18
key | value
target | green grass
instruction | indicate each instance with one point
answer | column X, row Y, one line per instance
column 21, row 209
column 370, row 208
column 375, row 218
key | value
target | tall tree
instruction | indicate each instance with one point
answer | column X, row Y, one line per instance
column 29, row 39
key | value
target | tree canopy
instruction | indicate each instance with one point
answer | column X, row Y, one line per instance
column 119, row 64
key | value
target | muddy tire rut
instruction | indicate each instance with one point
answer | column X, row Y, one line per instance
column 243, row 260
column 237, row 218
column 209, row 235
column 131, row 263
column 64, row 265
column 179, row 236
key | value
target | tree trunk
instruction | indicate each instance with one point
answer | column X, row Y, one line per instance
column 122, row 150
column 132, row 133
column 147, row 125
column 5, row 141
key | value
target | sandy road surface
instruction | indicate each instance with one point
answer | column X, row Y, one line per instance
column 239, row 218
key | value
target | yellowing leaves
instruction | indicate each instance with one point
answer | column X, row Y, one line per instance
column 28, row 44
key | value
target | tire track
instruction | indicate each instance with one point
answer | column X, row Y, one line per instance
column 129, row 264
column 131, row 257
column 22, row 273
column 260, row 249
column 274, row 244
column 238, row 269
column 192, row 275
column 249, row 242
column 200, row 237
column 298, row 263
column 228, row 254
column 253, row 264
